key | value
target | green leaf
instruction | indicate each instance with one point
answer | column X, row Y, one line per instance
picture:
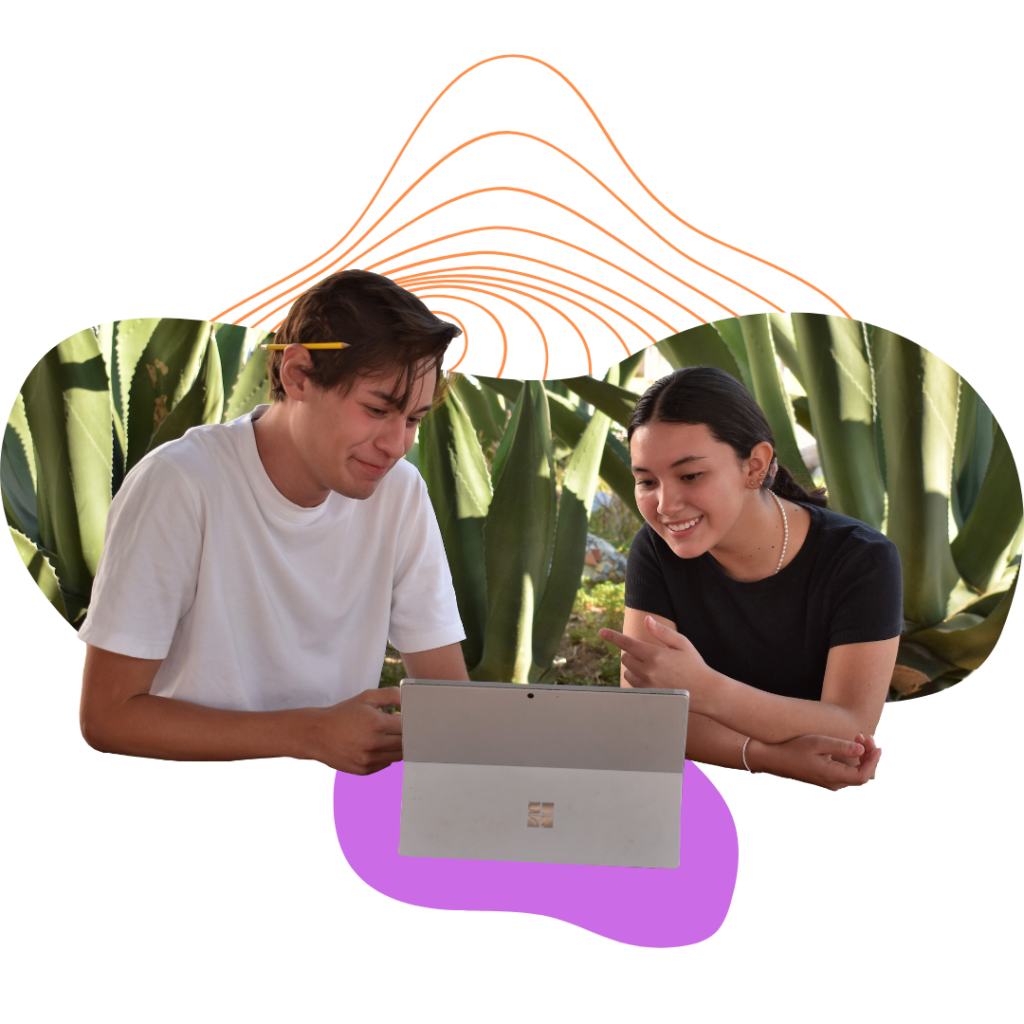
column 784, row 337
column 980, row 548
column 480, row 412
column 915, row 671
column 731, row 332
column 771, row 396
column 973, row 450
column 628, row 368
column 501, row 455
column 616, row 469
column 252, row 387
column 40, row 570
column 518, row 537
column 202, row 403
column 67, row 407
column 802, row 413
column 164, row 374
column 578, row 487
column 837, row 375
column 917, row 403
column 18, row 473
column 612, row 400
column 507, row 387
column 962, row 640
column 556, row 387
column 233, row 343
column 498, row 406
column 105, row 338
column 130, row 340
column 699, row 346
column 455, row 472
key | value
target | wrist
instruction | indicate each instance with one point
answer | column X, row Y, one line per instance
column 304, row 734
column 757, row 756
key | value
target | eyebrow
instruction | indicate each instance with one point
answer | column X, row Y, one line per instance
column 390, row 400
column 678, row 462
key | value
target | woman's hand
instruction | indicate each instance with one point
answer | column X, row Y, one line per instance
column 676, row 665
column 817, row 760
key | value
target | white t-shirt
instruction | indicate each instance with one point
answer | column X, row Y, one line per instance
column 253, row 602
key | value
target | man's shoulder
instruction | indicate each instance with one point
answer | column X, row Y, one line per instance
column 201, row 453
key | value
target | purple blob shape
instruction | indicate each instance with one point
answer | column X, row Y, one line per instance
column 642, row 906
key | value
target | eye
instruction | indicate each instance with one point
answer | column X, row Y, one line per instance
column 644, row 483
column 690, row 476
column 413, row 421
column 374, row 410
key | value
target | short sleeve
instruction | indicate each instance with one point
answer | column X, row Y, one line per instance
column 147, row 575
column 646, row 589
column 424, row 610
column 867, row 594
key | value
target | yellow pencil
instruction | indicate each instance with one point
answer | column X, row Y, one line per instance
column 310, row 344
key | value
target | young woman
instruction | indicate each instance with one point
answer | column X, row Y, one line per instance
column 780, row 617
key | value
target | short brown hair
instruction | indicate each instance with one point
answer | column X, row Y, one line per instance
column 387, row 330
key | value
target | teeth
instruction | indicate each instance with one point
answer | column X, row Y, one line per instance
column 679, row 527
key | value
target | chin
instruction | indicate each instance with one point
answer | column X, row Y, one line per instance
column 683, row 547
column 359, row 490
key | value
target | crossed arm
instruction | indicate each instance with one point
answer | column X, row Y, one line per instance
column 119, row 715
column 827, row 742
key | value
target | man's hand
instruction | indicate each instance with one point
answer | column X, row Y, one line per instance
column 817, row 760
column 357, row 737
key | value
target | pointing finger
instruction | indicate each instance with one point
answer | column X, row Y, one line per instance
column 626, row 643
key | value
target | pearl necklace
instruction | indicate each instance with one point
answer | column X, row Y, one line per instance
column 785, row 530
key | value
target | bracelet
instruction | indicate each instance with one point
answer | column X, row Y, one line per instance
column 744, row 756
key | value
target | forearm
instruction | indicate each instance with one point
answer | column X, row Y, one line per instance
column 149, row 726
column 710, row 742
column 772, row 718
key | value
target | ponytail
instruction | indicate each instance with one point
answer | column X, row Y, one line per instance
column 784, row 484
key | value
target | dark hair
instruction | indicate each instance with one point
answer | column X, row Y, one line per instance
column 387, row 330
column 705, row 394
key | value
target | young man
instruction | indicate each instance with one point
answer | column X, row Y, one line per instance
column 254, row 571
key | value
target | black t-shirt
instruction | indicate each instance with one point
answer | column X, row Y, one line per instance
column 844, row 586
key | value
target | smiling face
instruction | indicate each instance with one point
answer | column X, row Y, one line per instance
column 693, row 489
column 347, row 442
column 318, row 440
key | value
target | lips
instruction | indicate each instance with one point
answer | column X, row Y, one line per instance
column 372, row 467
column 684, row 526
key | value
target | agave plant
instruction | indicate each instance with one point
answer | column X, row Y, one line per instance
column 88, row 411
column 906, row 445
column 515, row 546
column 99, row 401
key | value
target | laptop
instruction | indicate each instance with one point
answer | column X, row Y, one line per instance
column 544, row 773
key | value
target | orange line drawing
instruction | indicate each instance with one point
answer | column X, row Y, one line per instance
column 490, row 313
column 465, row 335
column 488, row 252
column 456, row 276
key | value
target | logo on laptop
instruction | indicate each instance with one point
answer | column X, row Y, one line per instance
column 540, row 815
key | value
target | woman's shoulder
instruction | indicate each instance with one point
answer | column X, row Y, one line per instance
column 850, row 541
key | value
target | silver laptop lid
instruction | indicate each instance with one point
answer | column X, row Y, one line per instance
column 544, row 725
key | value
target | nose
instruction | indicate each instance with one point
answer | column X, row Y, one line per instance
column 670, row 501
column 391, row 439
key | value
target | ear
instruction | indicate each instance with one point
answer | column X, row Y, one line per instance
column 756, row 468
column 294, row 360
